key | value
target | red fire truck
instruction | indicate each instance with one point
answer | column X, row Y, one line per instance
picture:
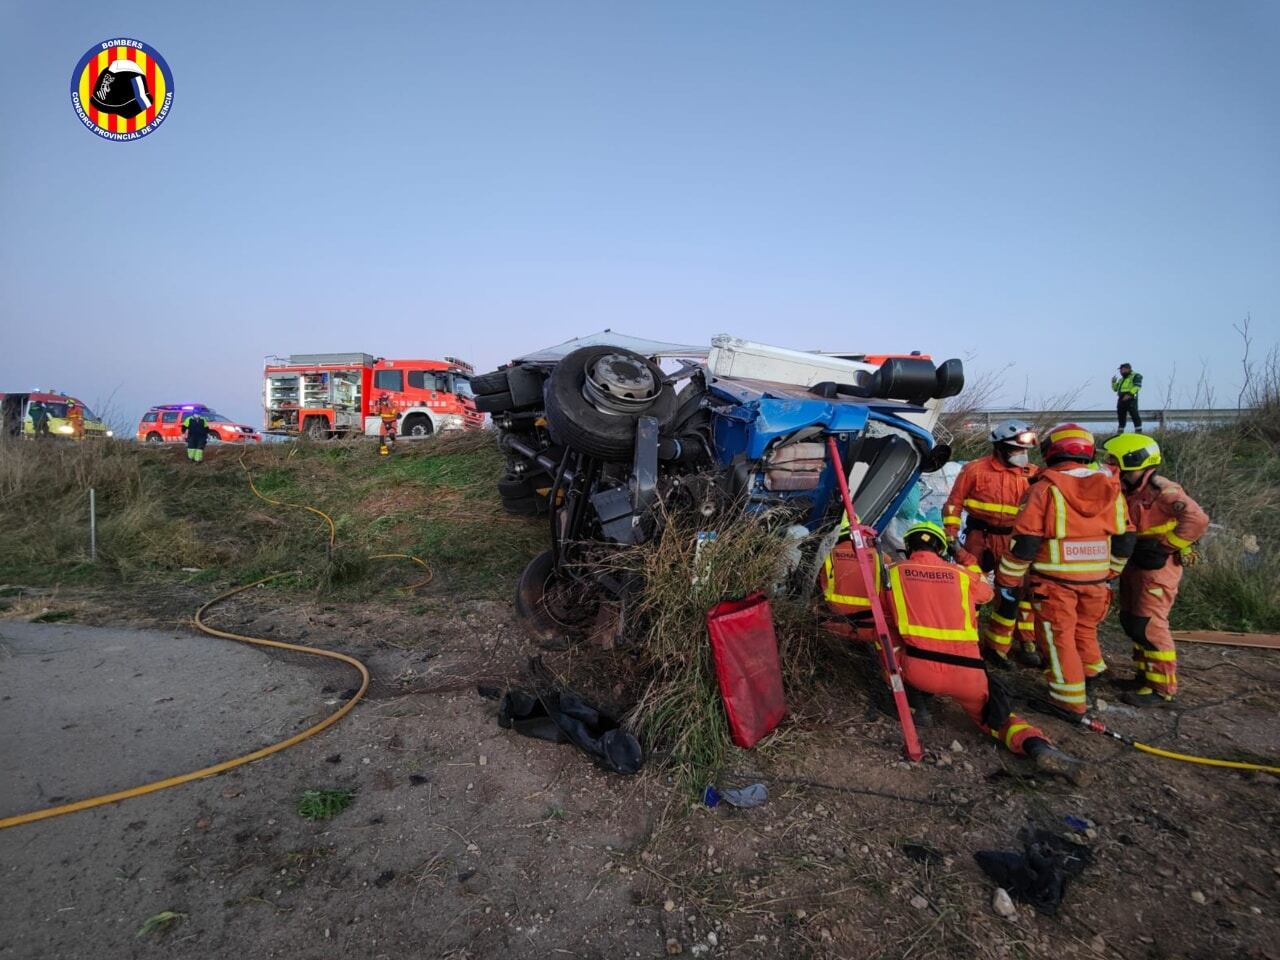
column 334, row 394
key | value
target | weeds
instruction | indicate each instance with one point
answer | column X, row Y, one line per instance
column 160, row 922
column 317, row 804
column 679, row 710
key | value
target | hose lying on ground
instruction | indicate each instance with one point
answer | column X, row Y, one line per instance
column 1097, row 726
column 225, row 765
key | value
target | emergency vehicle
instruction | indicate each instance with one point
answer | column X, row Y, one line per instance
column 335, row 394
column 163, row 424
column 15, row 412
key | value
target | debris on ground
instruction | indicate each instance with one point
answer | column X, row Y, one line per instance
column 1040, row 874
column 564, row 717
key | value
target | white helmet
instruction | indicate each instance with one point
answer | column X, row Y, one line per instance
column 1014, row 433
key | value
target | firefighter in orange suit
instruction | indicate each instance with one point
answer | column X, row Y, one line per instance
column 75, row 417
column 1070, row 538
column 932, row 607
column 386, row 410
column 843, row 588
column 989, row 491
column 1168, row 523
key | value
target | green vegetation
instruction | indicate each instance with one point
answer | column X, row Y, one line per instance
column 323, row 804
column 161, row 517
column 160, row 922
column 679, row 711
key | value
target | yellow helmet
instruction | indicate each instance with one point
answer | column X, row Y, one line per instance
column 1133, row 451
column 927, row 534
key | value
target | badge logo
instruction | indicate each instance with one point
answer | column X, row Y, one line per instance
column 122, row 89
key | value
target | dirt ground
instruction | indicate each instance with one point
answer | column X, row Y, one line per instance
column 467, row 841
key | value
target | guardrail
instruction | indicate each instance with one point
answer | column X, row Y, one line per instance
column 1204, row 416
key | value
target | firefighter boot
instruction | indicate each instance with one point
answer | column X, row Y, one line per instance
column 996, row 660
column 1146, row 697
column 1028, row 656
column 382, row 450
column 1050, row 759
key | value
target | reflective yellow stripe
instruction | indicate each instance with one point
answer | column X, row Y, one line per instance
column 1054, row 665
column 1098, row 666
column 1167, row 655
column 1068, row 698
column 991, row 507
column 1122, row 515
column 830, row 592
column 966, row 634
column 1024, row 605
column 1014, row 568
column 1165, row 678
column 1118, row 564
column 1156, row 531
column 1177, row 541
column 951, row 520
column 1060, row 512
column 1070, row 434
column 1026, row 626
column 1013, row 731
column 1067, row 687
column 1091, row 566
column 1005, row 621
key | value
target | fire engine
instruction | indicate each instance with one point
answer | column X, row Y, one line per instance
column 334, row 394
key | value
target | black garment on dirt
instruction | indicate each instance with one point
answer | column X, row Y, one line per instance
column 565, row 717
column 1040, row 874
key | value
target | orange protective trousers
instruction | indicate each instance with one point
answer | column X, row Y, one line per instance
column 967, row 686
column 987, row 549
column 1067, row 618
column 1146, row 597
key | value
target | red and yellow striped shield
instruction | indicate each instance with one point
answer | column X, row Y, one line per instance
column 122, row 89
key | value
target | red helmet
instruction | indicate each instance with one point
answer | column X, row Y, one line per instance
column 1067, row 441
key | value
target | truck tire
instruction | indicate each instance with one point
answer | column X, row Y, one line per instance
column 512, row 487
column 417, row 425
column 494, row 402
column 576, row 422
column 550, row 605
column 316, row 428
column 154, row 437
column 521, row 506
column 489, row 383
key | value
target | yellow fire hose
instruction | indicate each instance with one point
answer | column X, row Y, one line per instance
column 231, row 764
column 1097, row 726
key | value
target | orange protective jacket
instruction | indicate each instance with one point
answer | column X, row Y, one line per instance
column 933, row 602
column 1073, row 527
column 1162, row 511
column 988, row 490
column 841, row 581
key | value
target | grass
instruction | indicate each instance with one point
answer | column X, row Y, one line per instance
column 679, row 711
column 160, row 922
column 318, row 804
column 161, row 517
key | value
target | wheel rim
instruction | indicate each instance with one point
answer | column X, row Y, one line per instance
column 418, row 430
column 615, row 383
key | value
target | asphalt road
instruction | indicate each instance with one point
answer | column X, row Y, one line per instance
column 88, row 710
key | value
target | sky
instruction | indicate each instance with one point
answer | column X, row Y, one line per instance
column 1043, row 189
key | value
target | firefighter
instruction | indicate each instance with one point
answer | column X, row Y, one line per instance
column 988, row 491
column 196, row 429
column 1168, row 524
column 843, row 588
column 1070, row 538
column 386, row 411
column 75, row 417
column 1126, row 385
column 932, row 606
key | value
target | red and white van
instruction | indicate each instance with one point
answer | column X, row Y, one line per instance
column 163, row 424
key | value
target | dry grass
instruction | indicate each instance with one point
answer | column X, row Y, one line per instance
column 679, row 711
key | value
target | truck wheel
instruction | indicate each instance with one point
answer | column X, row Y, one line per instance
column 154, row 437
column 488, row 383
column 550, row 604
column 417, row 425
column 512, row 487
column 316, row 428
column 494, row 402
column 623, row 382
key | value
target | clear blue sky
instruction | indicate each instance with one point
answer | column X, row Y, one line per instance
column 1056, row 186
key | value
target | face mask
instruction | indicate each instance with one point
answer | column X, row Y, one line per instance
column 1019, row 458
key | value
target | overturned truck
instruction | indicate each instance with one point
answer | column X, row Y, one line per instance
column 606, row 435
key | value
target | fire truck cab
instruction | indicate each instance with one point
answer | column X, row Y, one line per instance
column 335, row 394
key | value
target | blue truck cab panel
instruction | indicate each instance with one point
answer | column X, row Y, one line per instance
column 751, row 417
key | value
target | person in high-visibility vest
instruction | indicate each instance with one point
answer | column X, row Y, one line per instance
column 932, row 610
column 843, row 589
column 1126, row 385
column 386, row 410
column 988, row 493
column 1071, row 537
column 1168, row 524
column 196, row 429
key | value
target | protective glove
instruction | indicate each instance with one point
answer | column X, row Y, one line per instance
column 1008, row 595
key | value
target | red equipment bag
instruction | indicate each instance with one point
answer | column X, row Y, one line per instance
column 746, row 654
